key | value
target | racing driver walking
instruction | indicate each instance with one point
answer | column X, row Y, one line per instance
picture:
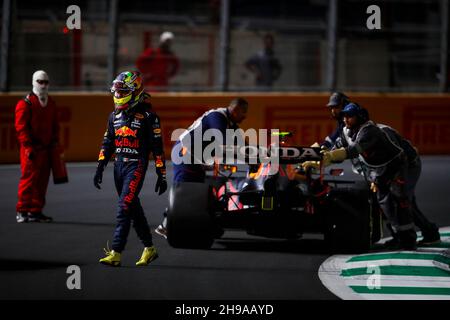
column 133, row 131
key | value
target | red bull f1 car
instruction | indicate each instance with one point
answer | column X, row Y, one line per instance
column 286, row 205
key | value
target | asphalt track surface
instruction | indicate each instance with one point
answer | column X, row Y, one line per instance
column 34, row 257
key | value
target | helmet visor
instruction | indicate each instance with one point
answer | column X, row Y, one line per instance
column 118, row 85
column 122, row 93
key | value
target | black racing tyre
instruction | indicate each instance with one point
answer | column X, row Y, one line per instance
column 347, row 220
column 189, row 222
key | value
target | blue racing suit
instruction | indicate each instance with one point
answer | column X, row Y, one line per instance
column 131, row 135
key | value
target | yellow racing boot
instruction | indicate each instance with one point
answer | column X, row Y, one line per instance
column 148, row 255
column 112, row 258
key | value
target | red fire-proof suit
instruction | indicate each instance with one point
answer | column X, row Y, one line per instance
column 157, row 67
column 37, row 131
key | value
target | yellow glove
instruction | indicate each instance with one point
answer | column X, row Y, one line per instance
column 373, row 187
column 317, row 145
column 336, row 155
column 310, row 164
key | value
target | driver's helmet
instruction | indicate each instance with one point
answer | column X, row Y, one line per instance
column 127, row 90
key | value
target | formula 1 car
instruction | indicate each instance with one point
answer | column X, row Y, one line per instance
column 281, row 205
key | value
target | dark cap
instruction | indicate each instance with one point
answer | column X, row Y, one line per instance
column 338, row 98
column 351, row 110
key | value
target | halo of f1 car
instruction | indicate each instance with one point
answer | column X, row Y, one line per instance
column 282, row 205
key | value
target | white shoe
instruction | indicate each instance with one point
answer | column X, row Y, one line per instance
column 22, row 217
column 161, row 231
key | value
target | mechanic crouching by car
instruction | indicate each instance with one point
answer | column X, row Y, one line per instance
column 133, row 131
column 387, row 164
column 220, row 119
column 430, row 231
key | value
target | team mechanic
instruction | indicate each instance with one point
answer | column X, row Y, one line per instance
column 430, row 231
column 220, row 119
column 388, row 170
column 133, row 131
column 339, row 138
column 336, row 103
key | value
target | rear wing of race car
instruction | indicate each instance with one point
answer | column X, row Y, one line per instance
column 289, row 155
column 257, row 154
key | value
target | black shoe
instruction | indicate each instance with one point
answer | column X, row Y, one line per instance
column 38, row 217
column 407, row 240
column 21, row 217
column 429, row 239
column 396, row 244
column 408, row 245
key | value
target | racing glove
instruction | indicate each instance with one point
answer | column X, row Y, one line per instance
column 317, row 145
column 99, row 175
column 310, row 164
column 161, row 183
column 336, row 155
column 373, row 187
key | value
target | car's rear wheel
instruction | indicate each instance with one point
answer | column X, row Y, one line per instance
column 189, row 221
column 347, row 220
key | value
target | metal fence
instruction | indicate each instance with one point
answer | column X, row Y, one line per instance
column 318, row 45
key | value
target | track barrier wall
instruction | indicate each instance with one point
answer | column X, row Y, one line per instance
column 422, row 118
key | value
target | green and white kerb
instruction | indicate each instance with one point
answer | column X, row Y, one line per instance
column 397, row 275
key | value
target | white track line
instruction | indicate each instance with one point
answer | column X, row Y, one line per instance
column 331, row 269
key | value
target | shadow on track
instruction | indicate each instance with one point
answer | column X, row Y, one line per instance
column 84, row 224
column 25, row 265
column 227, row 268
column 309, row 246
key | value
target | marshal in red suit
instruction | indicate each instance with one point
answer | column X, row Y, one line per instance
column 37, row 131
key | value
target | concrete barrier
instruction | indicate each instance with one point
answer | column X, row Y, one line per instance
column 422, row 118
